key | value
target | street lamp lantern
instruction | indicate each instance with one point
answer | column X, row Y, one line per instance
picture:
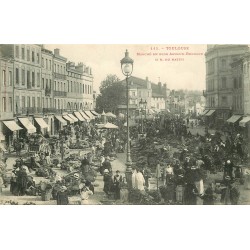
column 127, row 65
column 127, row 69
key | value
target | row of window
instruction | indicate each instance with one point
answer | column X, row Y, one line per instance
column 33, row 80
column 210, row 66
column 133, row 93
column 237, row 102
column 237, row 83
column 211, row 101
column 33, row 102
column 7, row 78
column 27, row 77
column 47, row 64
column 210, row 85
column 7, row 107
column 26, row 55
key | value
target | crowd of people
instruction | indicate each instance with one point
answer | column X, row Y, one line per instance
column 182, row 163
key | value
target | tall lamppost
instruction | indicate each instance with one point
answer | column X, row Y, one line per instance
column 127, row 69
column 143, row 106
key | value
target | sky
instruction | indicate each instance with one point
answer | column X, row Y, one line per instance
column 178, row 71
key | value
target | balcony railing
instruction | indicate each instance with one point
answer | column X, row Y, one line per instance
column 60, row 93
column 28, row 111
column 59, row 76
column 53, row 111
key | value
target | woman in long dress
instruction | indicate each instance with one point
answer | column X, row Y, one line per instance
column 139, row 180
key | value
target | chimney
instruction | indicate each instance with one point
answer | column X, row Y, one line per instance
column 159, row 85
column 79, row 67
column 57, row 52
column 148, row 83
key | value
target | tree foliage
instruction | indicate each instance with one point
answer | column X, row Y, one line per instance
column 109, row 81
column 112, row 94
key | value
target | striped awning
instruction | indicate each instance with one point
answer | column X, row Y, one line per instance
column 204, row 112
column 28, row 125
column 89, row 114
column 41, row 123
column 244, row 121
column 234, row 118
column 73, row 117
column 84, row 116
column 12, row 125
column 210, row 112
column 79, row 116
column 70, row 120
column 60, row 119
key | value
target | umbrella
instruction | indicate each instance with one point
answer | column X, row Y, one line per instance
column 110, row 115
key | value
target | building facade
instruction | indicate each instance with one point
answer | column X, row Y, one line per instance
column 35, row 88
column 220, row 81
column 155, row 96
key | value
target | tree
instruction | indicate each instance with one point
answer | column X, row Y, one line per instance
column 109, row 81
column 112, row 94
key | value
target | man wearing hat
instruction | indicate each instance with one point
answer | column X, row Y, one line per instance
column 62, row 196
column 117, row 184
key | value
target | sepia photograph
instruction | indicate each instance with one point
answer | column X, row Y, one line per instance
column 124, row 124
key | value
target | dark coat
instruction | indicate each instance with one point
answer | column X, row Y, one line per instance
column 208, row 197
column 62, row 198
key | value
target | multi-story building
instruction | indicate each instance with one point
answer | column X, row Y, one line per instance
column 241, row 95
column 26, row 82
column 220, row 81
column 155, row 95
column 8, row 126
column 36, row 90
column 47, row 89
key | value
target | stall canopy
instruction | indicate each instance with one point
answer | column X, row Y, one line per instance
column 109, row 125
column 244, row 121
column 73, row 117
column 60, row 119
column 66, row 117
column 110, row 115
column 42, row 123
column 89, row 114
column 210, row 112
column 12, row 125
column 204, row 112
column 84, row 116
column 234, row 118
column 78, row 115
column 28, row 125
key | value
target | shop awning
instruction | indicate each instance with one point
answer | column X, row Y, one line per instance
column 12, row 125
column 244, row 121
column 234, row 118
column 210, row 112
column 66, row 117
column 89, row 114
column 204, row 112
column 60, row 119
column 28, row 125
column 94, row 113
column 84, row 116
column 73, row 117
column 79, row 116
column 41, row 123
